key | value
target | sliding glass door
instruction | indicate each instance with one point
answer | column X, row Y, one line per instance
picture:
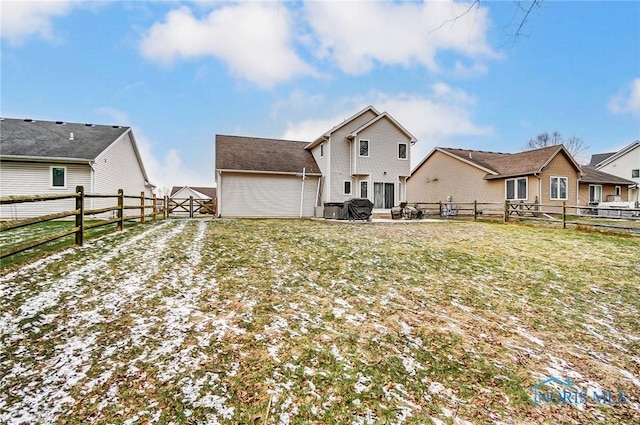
column 383, row 195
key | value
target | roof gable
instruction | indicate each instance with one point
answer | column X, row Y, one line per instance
column 389, row 118
column 263, row 155
column 55, row 139
column 335, row 128
column 205, row 192
column 622, row 152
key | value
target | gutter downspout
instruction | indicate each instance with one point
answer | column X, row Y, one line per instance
column 93, row 183
column 302, row 190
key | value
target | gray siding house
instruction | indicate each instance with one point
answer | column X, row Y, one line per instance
column 366, row 156
column 47, row 157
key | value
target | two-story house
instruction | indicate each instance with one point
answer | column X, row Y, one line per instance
column 625, row 163
column 366, row 156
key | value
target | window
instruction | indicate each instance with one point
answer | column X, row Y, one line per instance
column 595, row 193
column 635, row 174
column 321, row 150
column 516, row 189
column 59, row 177
column 618, row 190
column 559, row 188
column 363, row 189
column 347, row 187
column 364, row 148
column 402, row 151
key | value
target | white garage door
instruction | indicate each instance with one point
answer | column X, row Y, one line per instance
column 264, row 195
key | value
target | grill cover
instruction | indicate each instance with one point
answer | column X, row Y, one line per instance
column 358, row 208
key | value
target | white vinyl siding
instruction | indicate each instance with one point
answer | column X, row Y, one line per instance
column 118, row 168
column 265, row 195
column 34, row 178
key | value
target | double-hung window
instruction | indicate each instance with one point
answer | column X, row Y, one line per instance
column 516, row 189
column 559, row 188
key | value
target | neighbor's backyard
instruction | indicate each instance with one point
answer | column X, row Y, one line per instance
column 287, row 321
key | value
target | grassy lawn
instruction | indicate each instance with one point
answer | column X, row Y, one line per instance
column 299, row 321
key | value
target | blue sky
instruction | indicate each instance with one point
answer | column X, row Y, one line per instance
column 181, row 72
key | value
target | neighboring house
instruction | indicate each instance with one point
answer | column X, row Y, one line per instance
column 47, row 157
column 258, row 177
column 547, row 176
column 366, row 156
column 597, row 187
column 625, row 163
column 207, row 196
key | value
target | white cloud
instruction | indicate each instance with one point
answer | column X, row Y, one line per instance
column 253, row 39
column 166, row 171
column 433, row 118
column 22, row 19
column 627, row 100
column 357, row 35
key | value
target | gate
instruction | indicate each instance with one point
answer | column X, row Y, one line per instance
column 191, row 206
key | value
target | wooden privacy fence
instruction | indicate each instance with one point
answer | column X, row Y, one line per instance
column 141, row 204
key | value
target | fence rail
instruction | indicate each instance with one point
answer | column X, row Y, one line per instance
column 615, row 218
column 158, row 207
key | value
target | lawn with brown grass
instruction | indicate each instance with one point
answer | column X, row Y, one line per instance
column 300, row 321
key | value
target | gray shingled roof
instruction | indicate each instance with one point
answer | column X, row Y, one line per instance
column 257, row 154
column 591, row 175
column 51, row 139
column 597, row 158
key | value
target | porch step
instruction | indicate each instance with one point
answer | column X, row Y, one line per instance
column 381, row 215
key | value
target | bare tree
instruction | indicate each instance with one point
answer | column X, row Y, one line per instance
column 575, row 145
column 522, row 13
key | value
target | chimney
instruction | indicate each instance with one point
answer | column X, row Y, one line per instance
column 71, row 136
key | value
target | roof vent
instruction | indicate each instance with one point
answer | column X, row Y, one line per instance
column 60, row 122
column 90, row 125
column 71, row 136
column 28, row 120
column 115, row 126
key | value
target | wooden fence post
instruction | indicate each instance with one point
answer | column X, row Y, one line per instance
column 475, row 210
column 440, row 208
column 191, row 206
column 165, row 204
column 506, row 211
column 155, row 207
column 120, row 210
column 142, row 207
column 564, row 214
column 80, row 215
